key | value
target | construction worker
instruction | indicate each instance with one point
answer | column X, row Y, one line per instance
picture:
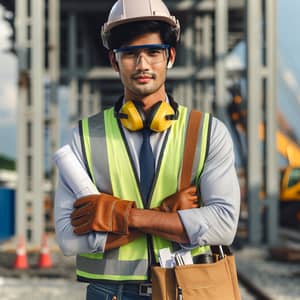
column 133, row 153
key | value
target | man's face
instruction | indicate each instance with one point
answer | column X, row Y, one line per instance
column 143, row 72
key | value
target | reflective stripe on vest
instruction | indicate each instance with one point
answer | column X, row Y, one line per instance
column 110, row 164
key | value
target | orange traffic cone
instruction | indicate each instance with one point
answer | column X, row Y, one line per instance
column 45, row 260
column 21, row 261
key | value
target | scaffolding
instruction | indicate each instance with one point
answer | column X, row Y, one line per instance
column 73, row 55
column 37, row 118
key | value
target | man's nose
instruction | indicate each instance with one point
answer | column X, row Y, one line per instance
column 141, row 61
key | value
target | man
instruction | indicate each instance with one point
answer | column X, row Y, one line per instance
column 133, row 153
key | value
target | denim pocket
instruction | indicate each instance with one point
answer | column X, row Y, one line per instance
column 99, row 292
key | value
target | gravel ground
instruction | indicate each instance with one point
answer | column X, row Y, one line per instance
column 37, row 289
column 245, row 294
column 279, row 280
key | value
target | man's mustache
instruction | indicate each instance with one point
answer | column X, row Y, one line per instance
column 142, row 74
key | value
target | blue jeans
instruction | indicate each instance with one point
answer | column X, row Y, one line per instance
column 109, row 291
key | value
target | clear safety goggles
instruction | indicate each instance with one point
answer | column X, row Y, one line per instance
column 152, row 53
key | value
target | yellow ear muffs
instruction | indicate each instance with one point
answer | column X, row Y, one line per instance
column 161, row 117
column 131, row 116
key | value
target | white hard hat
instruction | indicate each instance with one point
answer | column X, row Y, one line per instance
column 126, row 11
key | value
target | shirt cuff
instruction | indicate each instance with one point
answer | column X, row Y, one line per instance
column 188, row 246
column 97, row 241
column 194, row 228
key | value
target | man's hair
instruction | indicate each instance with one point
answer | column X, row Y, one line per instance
column 126, row 33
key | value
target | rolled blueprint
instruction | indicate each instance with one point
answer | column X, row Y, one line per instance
column 73, row 173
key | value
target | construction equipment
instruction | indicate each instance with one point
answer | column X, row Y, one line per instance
column 290, row 197
column 286, row 146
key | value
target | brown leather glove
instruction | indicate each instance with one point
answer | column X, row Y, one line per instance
column 115, row 240
column 185, row 199
column 103, row 212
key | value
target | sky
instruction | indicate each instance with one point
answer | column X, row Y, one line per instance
column 8, row 93
column 288, row 58
column 289, row 61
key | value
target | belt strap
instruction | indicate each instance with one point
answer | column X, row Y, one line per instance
column 190, row 148
column 145, row 289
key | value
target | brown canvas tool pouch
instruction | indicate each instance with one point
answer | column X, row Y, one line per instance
column 208, row 281
column 211, row 281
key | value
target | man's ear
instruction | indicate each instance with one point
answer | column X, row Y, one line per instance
column 113, row 61
column 172, row 56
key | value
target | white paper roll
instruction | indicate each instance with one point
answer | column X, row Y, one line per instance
column 73, row 173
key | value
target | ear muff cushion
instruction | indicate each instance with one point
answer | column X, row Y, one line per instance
column 134, row 120
column 158, row 121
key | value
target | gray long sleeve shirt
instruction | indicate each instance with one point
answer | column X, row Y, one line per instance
column 215, row 223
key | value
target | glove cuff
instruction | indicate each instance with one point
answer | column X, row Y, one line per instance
column 120, row 216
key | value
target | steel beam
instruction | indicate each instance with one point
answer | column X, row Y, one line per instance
column 207, row 59
column 96, row 100
column 72, row 44
column 189, row 55
column 21, row 41
column 73, row 76
column 30, row 189
column 272, row 180
column 54, row 76
column 182, row 6
column 254, row 96
column 178, row 73
column 198, row 54
column 221, row 19
column 54, row 40
column 37, row 83
column 73, row 100
column 86, row 98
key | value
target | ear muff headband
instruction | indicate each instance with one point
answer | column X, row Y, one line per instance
column 160, row 118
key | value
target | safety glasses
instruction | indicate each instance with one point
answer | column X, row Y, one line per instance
column 152, row 53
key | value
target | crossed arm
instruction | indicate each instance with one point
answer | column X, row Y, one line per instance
column 165, row 225
column 124, row 222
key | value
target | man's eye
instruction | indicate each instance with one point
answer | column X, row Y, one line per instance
column 154, row 52
column 129, row 54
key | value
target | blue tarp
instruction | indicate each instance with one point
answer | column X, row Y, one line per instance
column 7, row 213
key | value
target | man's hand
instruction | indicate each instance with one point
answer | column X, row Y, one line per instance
column 164, row 221
column 103, row 212
column 185, row 199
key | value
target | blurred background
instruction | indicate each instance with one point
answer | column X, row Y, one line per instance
column 237, row 59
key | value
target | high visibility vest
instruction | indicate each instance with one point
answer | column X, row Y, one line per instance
column 110, row 166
